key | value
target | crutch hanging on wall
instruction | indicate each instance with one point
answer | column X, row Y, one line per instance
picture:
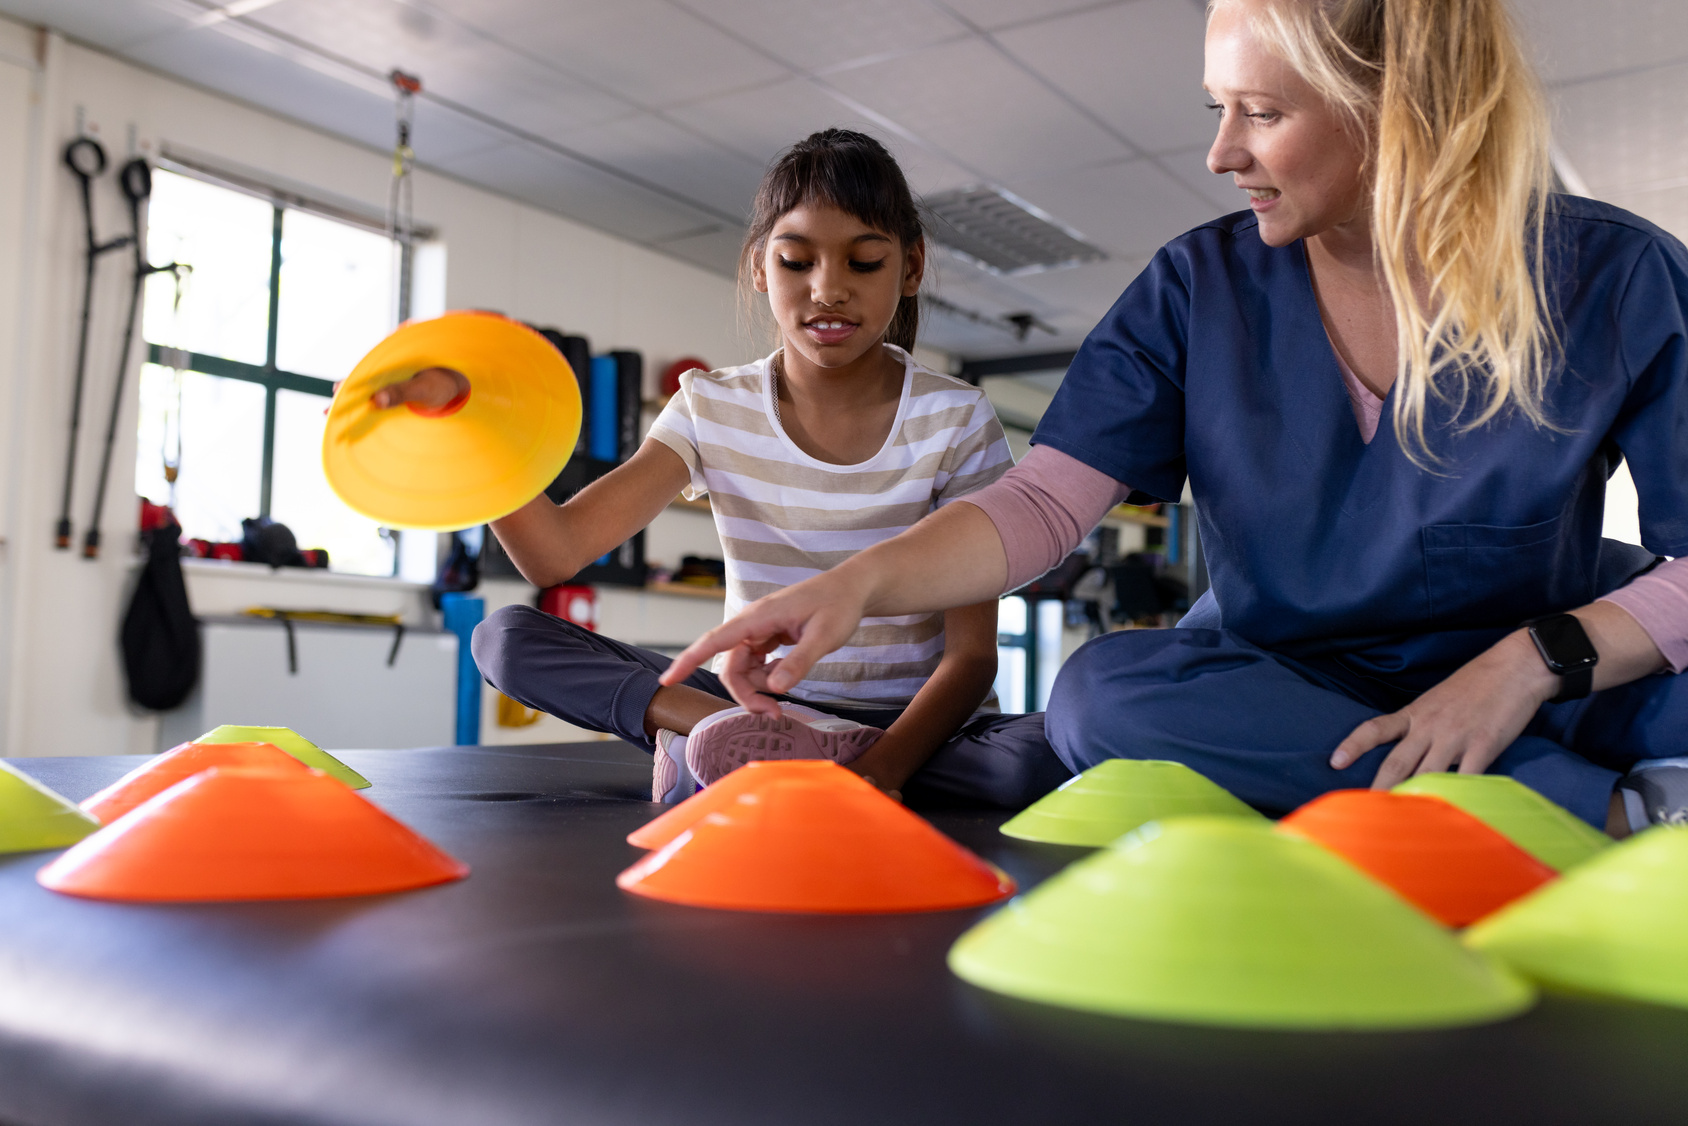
column 86, row 159
column 136, row 181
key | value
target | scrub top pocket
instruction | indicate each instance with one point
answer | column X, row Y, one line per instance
column 1491, row 575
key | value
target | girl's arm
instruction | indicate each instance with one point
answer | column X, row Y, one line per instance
column 954, row 691
column 549, row 542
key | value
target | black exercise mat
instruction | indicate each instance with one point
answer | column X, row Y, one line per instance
column 537, row 992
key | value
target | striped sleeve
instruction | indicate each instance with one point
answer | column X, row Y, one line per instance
column 977, row 457
column 676, row 429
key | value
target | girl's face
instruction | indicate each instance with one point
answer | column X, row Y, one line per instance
column 1285, row 145
column 834, row 282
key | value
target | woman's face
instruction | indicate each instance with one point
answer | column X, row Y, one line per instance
column 1285, row 145
column 834, row 282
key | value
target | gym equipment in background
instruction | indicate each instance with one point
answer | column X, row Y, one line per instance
column 1222, row 921
column 577, row 350
column 616, row 382
column 33, row 817
column 233, row 833
column 1616, row 924
column 472, row 461
column 1114, row 797
column 821, row 841
column 623, row 566
column 295, row 744
column 158, row 774
column 1550, row 833
column 86, row 159
column 135, row 178
column 1433, row 854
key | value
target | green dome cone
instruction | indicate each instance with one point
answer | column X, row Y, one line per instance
column 1617, row 924
column 33, row 817
column 294, row 744
column 1221, row 921
column 1112, row 798
column 1550, row 833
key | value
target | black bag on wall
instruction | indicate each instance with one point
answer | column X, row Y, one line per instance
column 160, row 639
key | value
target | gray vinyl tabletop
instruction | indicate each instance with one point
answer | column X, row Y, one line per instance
column 536, row 992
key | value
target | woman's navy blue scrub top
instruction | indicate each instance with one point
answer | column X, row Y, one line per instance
column 1215, row 364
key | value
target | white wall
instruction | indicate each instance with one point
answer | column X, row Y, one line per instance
column 61, row 689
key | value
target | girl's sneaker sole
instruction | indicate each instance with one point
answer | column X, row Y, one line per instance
column 729, row 743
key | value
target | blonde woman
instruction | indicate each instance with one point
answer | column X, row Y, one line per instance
column 1396, row 386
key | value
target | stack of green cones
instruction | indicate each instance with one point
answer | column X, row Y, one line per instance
column 294, row 744
column 1550, row 833
column 1111, row 799
column 1221, row 921
column 1617, row 924
column 33, row 817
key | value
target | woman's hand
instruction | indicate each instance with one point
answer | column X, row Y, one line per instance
column 1468, row 719
column 814, row 617
column 430, row 388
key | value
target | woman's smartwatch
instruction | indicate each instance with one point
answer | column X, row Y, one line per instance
column 1570, row 655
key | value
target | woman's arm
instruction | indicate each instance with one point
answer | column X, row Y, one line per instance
column 549, row 542
column 954, row 691
column 985, row 543
column 1475, row 714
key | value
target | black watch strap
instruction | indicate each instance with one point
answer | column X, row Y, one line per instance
column 1565, row 648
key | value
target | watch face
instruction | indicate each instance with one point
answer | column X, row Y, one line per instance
column 1564, row 643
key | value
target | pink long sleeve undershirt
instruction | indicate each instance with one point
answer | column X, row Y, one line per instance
column 1045, row 506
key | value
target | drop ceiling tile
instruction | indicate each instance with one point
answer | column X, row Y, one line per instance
column 763, row 122
column 646, row 50
column 717, row 251
column 1130, row 208
column 279, row 78
column 660, row 151
column 569, row 188
column 810, row 35
column 1577, row 40
column 454, row 61
column 1190, row 169
column 1087, row 291
column 967, row 100
column 1625, row 134
column 991, row 14
column 104, row 23
column 1137, row 66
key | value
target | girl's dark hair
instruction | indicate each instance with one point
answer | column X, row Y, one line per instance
column 854, row 173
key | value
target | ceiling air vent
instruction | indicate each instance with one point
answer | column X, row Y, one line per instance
column 1003, row 233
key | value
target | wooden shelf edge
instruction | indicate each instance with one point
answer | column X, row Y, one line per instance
column 1133, row 515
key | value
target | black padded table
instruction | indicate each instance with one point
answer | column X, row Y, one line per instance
column 537, row 992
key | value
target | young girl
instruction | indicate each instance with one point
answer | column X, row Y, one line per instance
column 834, row 443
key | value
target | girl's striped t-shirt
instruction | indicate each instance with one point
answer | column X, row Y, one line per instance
column 785, row 516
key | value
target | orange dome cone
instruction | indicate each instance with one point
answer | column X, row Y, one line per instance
column 179, row 763
column 822, row 844
column 1435, row 855
column 720, row 797
column 241, row 833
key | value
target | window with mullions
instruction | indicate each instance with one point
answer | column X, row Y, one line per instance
column 242, row 356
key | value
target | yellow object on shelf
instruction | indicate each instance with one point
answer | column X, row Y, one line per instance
column 466, row 464
column 513, row 713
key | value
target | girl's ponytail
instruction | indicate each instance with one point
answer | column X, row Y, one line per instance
column 854, row 173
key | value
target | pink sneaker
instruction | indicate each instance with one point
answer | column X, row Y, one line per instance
column 727, row 740
column 670, row 780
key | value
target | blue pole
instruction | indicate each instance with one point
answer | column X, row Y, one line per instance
column 462, row 614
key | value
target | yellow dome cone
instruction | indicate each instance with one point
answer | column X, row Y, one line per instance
column 466, row 464
column 1550, row 833
column 1114, row 797
column 294, row 744
column 33, row 817
column 1221, row 921
column 1616, row 924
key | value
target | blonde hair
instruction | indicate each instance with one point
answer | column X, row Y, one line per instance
column 1456, row 136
